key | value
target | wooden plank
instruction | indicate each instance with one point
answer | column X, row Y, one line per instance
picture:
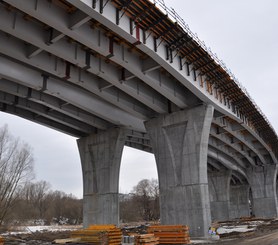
column 67, row 240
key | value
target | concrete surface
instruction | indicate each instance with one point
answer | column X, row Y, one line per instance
column 101, row 158
column 180, row 144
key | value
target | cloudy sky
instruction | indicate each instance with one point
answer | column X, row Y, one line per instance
column 243, row 33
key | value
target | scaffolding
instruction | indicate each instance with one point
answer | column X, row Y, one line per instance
column 154, row 17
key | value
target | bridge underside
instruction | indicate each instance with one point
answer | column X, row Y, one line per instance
column 71, row 67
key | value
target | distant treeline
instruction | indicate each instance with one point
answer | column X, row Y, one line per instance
column 22, row 200
column 39, row 204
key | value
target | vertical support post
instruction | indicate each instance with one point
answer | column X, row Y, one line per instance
column 219, row 190
column 131, row 26
column 67, row 72
column 87, row 60
column 187, row 69
column 171, row 55
column 180, row 62
column 101, row 6
column 100, row 156
column 94, row 4
column 117, row 16
column 111, row 47
column 137, row 29
column 180, row 144
column 262, row 181
column 144, row 37
column 155, row 44
column 194, row 75
column 239, row 201
column 167, row 52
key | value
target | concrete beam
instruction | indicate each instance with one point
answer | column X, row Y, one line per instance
column 90, row 37
column 11, row 109
column 56, row 104
column 132, row 97
column 67, row 92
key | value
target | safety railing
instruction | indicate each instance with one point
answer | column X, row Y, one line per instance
column 173, row 15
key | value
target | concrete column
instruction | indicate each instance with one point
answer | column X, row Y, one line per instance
column 263, row 185
column 219, row 191
column 180, row 144
column 100, row 158
column 239, row 201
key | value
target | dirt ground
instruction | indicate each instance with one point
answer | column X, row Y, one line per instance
column 270, row 238
column 265, row 233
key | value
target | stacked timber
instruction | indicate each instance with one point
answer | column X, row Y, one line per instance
column 99, row 235
column 1, row 240
column 146, row 239
column 171, row 234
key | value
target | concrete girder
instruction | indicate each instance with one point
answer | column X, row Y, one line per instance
column 237, row 134
column 122, row 28
column 234, row 146
column 99, row 70
column 53, row 103
column 241, row 178
column 70, row 93
column 77, row 19
column 228, row 152
column 158, row 53
column 137, row 145
column 43, row 111
column 227, row 162
column 11, row 109
column 91, row 38
column 217, row 165
column 54, row 36
column 149, row 65
column 125, row 60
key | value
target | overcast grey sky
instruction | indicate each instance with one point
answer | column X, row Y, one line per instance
column 243, row 33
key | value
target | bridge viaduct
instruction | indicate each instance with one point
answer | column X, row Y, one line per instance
column 115, row 73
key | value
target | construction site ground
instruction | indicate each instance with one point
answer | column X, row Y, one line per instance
column 241, row 232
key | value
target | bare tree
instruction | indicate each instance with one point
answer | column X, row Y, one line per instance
column 36, row 195
column 146, row 194
column 16, row 169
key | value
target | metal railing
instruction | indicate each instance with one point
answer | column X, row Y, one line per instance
column 173, row 16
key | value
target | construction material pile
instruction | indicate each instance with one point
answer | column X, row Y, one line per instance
column 146, row 239
column 171, row 234
column 99, row 235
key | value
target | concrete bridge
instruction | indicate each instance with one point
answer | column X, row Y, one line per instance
column 115, row 73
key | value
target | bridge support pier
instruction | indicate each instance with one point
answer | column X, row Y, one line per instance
column 239, row 201
column 100, row 158
column 263, row 185
column 219, row 190
column 180, row 144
